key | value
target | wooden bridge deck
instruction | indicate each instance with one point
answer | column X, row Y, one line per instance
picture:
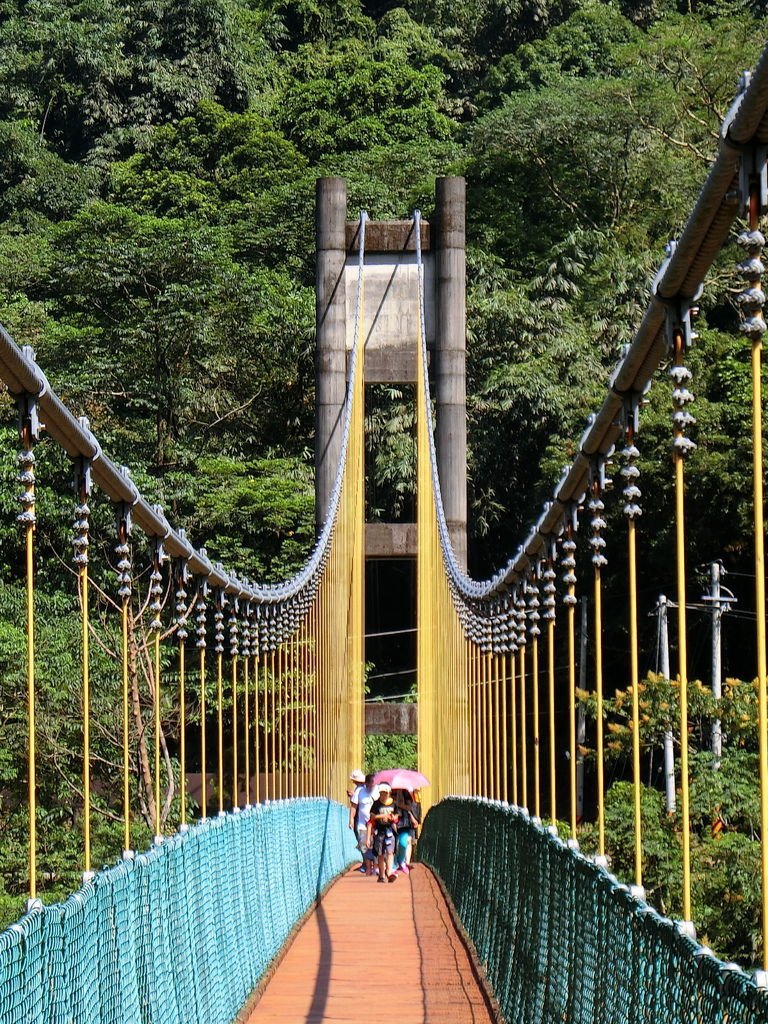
column 374, row 952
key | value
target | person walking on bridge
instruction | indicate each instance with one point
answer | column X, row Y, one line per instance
column 382, row 828
column 360, row 805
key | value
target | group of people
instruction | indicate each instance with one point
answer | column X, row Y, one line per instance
column 386, row 824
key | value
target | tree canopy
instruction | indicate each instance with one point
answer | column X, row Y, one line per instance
column 157, row 170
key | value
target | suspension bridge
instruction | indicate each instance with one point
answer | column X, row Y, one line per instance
column 189, row 928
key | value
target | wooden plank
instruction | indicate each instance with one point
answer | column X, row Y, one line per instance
column 400, row 936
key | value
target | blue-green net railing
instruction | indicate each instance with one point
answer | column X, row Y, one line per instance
column 562, row 940
column 182, row 933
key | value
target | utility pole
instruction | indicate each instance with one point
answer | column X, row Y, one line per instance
column 581, row 723
column 719, row 603
column 662, row 666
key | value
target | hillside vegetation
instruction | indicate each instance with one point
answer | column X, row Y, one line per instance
column 158, row 161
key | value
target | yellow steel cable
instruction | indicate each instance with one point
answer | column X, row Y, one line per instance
column 759, row 534
column 291, row 744
column 572, row 707
column 157, row 733
column 272, row 733
column 484, row 709
column 32, row 733
column 551, row 706
column 126, row 728
column 635, row 682
column 256, row 723
column 265, row 719
column 682, row 651
column 295, row 709
column 599, row 724
column 29, row 544
column 279, row 723
column 762, row 671
column 498, row 788
column 319, row 683
column 513, row 714
column 479, row 717
column 316, row 710
column 294, row 714
column 298, row 735
column 298, row 677
column 220, row 726
column 536, row 737
column 293, row 748
column 504, row 729
column 182, row 733
column 266, row 731
column 280, row 711
column 523, row 729
column 86, row 720
column 491, row 788
column 472, row 720
column 307, row 702
column 286, row 719
column 568, row 562
column 492, row 776
column 203, row 763
column 247, row 722
column 324, row 697
column 235, row 785
column 320, row 672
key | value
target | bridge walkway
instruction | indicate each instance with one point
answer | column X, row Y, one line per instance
column 374, row 952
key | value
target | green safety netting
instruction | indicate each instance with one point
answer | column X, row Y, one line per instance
column 562, row 940
column 182, row 933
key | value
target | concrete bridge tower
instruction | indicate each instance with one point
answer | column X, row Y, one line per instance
column 391, row 320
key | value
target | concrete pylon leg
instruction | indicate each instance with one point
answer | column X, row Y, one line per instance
column 331, row 355
column 450, row 357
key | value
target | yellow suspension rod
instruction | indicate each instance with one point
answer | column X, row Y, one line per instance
column 272, row 685
column 32, row 760
column 256, row 724
column 523, row 730
column 280, row 738
column 551, row 702
column 488, row 757
column 682, row 653
column 513, row 716
column 203, row 764
column 126, row 725
column 572, row 707
column 220, row 727
column 29, row 544
column 157, row 733
column 235, row 787
column 599, row 724
column 759, row 532
column 86, row 718
column 497, row 726
column 472, row 719
column 536, row 737
column 182, row 733
column 504, row 729
column 247, row 725
column 635, row 682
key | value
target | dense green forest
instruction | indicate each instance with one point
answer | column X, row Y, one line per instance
column 158, row 161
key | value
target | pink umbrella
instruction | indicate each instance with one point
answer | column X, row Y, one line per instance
column 401, row 778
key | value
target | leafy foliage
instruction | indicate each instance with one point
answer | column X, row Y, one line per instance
column 157, row 170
